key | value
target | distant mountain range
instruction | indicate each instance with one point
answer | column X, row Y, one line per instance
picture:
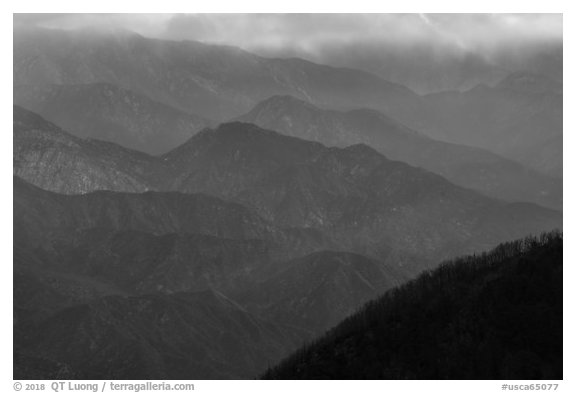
column 193, row 211
column 428, row 68
column 217, row 82
column 355, row 193
column 303, row 236
column 470, row 167
column 134, row 89
column 519, row 118
column 354, row 196
column 110, row 113
column 492, row 316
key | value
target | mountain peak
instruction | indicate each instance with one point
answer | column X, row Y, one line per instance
column 363, row 150
column 243, row 144
column 238, row 131
column 239, row 127
column 280, row 106
column 244, row 132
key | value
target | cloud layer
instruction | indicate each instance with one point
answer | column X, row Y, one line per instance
column 386, row 44
column 310, row 32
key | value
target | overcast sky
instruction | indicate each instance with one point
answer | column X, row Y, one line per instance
column 380, row 43
column 311, row 32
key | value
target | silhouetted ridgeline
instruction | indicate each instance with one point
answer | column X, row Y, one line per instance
column 497, row 315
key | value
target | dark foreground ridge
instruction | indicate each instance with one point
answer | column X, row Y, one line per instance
column 497, row 315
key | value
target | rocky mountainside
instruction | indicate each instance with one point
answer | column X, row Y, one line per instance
column 469, row 167
column 490, row 316
column 110, row 113
column 53, row 159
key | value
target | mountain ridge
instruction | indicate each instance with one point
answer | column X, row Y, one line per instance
column 357, row 198
column 219, row 82
column 463, row 165
column 514, row 119
column 106, row 112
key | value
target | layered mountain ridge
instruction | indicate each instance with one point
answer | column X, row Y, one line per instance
column 519, row 118
column 219, row 82
column 466, row 166
column 110, row 113
column 150, row 242
column 354, row 196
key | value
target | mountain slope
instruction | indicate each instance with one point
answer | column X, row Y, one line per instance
column 152, row 212
column 139, row 262
column 466, row 166
column 218, row 82
column 106, row 112
column 185, row 336
column 148, row 243
column 365, row 202
column 493, row 316
column 50, row 158
column 353, row 199
column 221, row 82
column 519, row 118
column 94, row 298
column 317, row 291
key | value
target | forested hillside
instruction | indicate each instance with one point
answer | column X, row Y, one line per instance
column 497, row 315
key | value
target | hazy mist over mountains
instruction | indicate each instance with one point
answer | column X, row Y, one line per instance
column 200, row 196
column 426, row 52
